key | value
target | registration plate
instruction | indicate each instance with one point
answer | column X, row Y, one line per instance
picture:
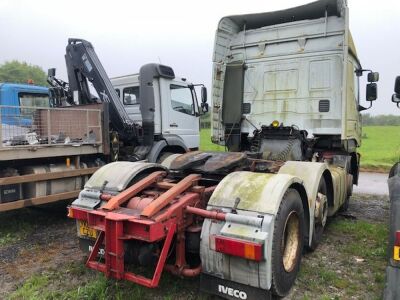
column 85, row 230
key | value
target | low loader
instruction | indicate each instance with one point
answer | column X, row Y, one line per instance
column 53, row 139
column 286, row 106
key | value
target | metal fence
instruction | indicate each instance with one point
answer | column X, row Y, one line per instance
column 29, row 126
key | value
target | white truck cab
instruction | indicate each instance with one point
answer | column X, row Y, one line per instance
column 176, row 107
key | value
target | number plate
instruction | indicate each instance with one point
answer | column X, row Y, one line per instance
column 396, row 253
column 85, row 230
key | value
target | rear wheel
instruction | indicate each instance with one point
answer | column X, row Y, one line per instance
column 321, row 213
column 287, row 243
column 346, row 203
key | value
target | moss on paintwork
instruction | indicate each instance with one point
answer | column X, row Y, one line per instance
column 247, row 186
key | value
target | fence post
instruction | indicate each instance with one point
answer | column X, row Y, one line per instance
column 48, row 128
column 87, row 126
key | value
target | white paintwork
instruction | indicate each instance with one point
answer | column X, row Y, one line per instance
column 184, row 125
column 290, row 67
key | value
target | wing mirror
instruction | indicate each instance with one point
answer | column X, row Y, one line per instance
column 373, row 77
column 203, row 94
column 372, row 87
column 51, row 72
column 372, row 91
column 204, row 104
column 396, row 95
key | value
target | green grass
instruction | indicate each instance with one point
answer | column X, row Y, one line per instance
column 333, row 268
column 16, row 225
column 65, row 284
column 205, row 142
column 380, row 146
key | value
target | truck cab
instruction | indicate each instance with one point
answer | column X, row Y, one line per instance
column 16, row 106
column 176, row 106
column 16, row 96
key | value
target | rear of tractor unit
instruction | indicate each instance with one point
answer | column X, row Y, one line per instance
column 286, row 106
column 222, row 215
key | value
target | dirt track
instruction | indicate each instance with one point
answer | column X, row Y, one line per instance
column 51, row 244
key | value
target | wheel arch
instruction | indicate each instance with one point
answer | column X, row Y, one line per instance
column 329, row 185
column 173, row 145
column 304, row 199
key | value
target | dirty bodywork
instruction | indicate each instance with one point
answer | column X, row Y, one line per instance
column 285, row 105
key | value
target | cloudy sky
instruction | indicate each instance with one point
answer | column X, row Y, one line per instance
column 127, row 34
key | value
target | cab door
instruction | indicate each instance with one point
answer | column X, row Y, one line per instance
column 180, row 112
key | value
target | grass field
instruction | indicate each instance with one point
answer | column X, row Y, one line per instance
column 349, row 263
column 379, row 151
column 380, row 147
column 205, row 142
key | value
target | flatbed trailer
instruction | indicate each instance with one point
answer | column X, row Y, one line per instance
column 48, row 155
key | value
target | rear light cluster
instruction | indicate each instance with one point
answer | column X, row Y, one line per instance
column 396, row 250
column 240, row 248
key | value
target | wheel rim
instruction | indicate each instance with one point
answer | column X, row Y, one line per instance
column 290, row 241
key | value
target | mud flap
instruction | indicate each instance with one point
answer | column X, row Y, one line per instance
column 86, row 246
column 231, row 290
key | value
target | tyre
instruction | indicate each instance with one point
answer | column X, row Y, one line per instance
column 319, row 225
column 346, row 203
column 287, row 246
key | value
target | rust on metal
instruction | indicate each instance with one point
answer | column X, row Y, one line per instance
column 139, row 186
column 159, row 203
column 189, row 160
column 209, row 162
column 209, row 214
column 39, row 200
column 46, row 176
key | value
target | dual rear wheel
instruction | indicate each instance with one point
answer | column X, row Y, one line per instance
column 289, row 236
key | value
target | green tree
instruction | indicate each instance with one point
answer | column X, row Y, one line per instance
column 21, row 72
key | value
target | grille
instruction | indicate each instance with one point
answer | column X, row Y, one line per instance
column 324, row 105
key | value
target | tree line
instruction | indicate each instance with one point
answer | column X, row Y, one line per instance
column 21, row 72
column 380, row 120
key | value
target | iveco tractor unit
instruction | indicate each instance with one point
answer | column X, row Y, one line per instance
column 53, row 139
column 286, row 106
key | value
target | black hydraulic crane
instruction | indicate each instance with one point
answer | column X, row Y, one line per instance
column 84, row 66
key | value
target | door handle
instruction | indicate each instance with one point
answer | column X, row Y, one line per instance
column 173, row 125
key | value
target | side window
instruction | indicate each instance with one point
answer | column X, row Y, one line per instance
column 131, row 95
column 32, row 100
column 181, row 99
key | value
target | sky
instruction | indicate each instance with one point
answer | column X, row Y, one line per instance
column 128, row 34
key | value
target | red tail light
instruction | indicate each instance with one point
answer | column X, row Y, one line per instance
column 241, row 248
column 397, row 238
